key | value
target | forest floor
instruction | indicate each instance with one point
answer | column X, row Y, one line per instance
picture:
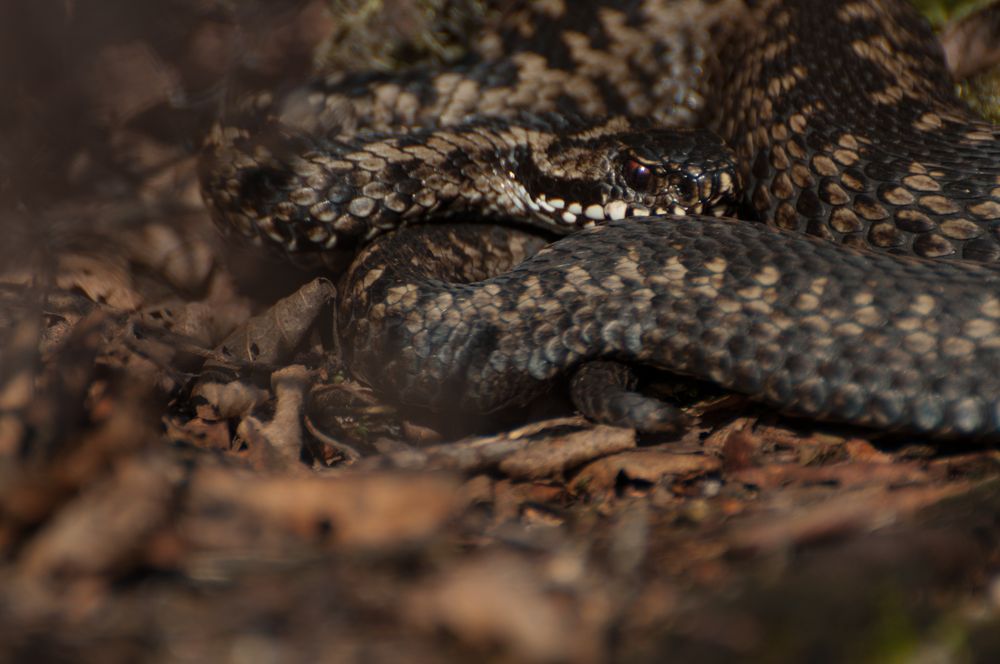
column 153, row 510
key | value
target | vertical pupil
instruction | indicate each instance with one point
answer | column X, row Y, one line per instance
column 637, row 173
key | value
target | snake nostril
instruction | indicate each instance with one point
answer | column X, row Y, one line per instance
column 686, row 187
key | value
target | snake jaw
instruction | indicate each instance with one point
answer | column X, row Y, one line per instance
column 672, row 190
column 578, row 215
column 585, row 177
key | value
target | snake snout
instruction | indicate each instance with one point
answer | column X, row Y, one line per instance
column 704, row 191
column 685, row 186
column 694, row 171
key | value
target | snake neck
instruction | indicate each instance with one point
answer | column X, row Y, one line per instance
column 308, row 192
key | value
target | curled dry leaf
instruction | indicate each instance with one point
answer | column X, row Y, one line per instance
column 271, row 337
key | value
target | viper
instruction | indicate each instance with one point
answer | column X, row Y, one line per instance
column 861, row 283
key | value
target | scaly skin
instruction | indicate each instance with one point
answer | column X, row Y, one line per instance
column 846, row 127
column 812, row 328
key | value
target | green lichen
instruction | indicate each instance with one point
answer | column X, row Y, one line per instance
column 393, row 34
column 982, row 92
column 939, row 12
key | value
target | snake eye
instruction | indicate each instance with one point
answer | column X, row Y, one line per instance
column 637, row 175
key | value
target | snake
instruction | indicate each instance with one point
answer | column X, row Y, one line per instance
column 834, row 253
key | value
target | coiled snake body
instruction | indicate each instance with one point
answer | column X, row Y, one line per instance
column 844, row 126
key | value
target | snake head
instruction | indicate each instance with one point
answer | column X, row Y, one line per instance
column 677, row 172
column 637, row 173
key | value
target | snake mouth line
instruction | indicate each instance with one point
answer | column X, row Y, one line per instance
column 616, row 210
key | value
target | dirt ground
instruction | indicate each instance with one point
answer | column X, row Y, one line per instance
column 186, row 473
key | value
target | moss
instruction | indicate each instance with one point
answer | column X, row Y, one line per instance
column 982, row 92
column 392, row 34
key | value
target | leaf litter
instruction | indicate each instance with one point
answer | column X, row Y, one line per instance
column 187, row 472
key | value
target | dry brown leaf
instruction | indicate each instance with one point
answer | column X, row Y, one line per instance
column 740, row 449
column 18, row 360
column 201, row 432
column 530, row 452
column 845, row 475
column 360, row 510
column 102, row 532
column 128, row 79
column 103, row 279
column 233, row 399
column 974, row 465
column 838, row 516
column 649, row 465
column 717, row 439
column 270, row 337
column 859, row 449
column 971, row 44
column 501, row 601
column 509, row 498
column 183, row 260
column 554, row 455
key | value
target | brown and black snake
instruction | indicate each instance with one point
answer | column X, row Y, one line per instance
column 870, row 295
